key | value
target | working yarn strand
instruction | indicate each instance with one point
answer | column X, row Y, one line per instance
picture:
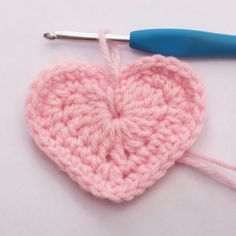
column 204, row 164
column 111, row 55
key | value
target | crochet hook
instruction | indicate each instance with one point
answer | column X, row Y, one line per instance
column 169, row 42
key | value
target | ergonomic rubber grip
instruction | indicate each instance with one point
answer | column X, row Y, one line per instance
column 184, row 43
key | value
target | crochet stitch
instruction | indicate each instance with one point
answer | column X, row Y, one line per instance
column 116, row 132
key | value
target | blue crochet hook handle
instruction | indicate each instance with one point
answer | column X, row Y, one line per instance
column 184, row 43
column 170, row 42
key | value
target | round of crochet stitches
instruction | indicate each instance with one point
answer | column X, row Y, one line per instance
column 116, row 139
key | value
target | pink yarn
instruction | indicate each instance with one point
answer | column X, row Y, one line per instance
column 203, row 163
column 117, row 132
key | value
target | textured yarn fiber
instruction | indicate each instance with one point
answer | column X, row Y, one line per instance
column 116, row 132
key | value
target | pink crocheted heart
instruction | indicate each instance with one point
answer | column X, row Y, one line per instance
column 116, row 140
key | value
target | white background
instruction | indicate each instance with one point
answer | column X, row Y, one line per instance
column 36, row 199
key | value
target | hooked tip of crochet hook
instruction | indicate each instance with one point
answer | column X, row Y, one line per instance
column 50, row 35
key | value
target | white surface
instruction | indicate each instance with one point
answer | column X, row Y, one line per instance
column 36, row 198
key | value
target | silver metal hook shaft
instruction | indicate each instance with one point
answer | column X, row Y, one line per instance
column 84, row 36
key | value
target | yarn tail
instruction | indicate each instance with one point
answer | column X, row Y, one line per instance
column 208, row 166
